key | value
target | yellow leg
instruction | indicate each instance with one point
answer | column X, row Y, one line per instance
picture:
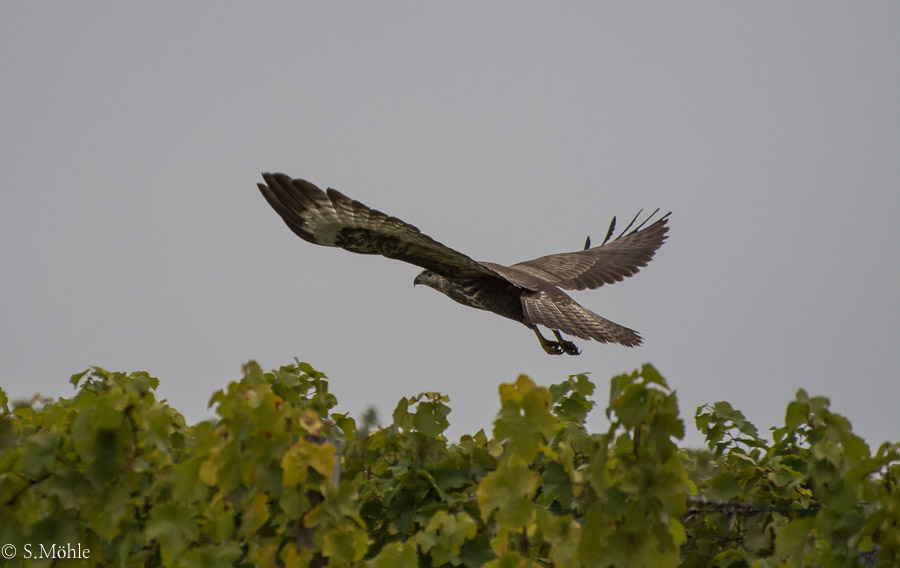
column 551, row 347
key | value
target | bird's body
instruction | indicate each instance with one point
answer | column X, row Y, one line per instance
column 528, row 292
column 485, row 293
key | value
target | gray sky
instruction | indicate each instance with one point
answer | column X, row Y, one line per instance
column 132, row 235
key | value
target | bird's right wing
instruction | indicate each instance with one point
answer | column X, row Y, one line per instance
column 331, row 218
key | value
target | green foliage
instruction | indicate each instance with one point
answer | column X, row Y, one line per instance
column 814, row 496
column 280, row 479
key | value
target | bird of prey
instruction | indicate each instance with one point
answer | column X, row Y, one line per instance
column 528, row 292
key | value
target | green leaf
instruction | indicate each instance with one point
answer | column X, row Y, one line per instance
column 39, row 453
column 829, row 450
column 724, row 486
column 444, row 536
column 345, row 545
column 219, row 525
column 508, row 560
column 395, row 555
column 792, row 539
column 796, row 415
column 222, row 555
column 574, row 407
column 307, row 368
column 509, row 491
column 731, row 558
column 652, row 376
column 632, row 406
column 107, row 519
column 172, row 525
column 402, row 417
column 563, row 533
column 431, row 418
column 75, row 379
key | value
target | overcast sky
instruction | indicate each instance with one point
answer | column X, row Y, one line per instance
column 132, row 235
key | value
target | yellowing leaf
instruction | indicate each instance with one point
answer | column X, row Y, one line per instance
column 303, row 455
column 524, row 420
column 208, row 471
column 256, row 513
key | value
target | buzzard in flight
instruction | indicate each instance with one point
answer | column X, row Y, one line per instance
column 527, row 292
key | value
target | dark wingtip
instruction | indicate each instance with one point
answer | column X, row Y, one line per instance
column 661, row 221
column 610, row 231
column 269, row 176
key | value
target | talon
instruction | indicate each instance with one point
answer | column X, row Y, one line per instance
column 570, row 348
column 566, row 345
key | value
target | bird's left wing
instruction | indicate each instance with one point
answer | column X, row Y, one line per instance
column 331, row 218
column 611, row 262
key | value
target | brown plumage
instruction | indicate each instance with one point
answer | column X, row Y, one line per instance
column 527, row 292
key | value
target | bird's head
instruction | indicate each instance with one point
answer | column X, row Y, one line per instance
column 430, row 279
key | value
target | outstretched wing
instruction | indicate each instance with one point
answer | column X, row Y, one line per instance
column 331, row 218
column 608, row 263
